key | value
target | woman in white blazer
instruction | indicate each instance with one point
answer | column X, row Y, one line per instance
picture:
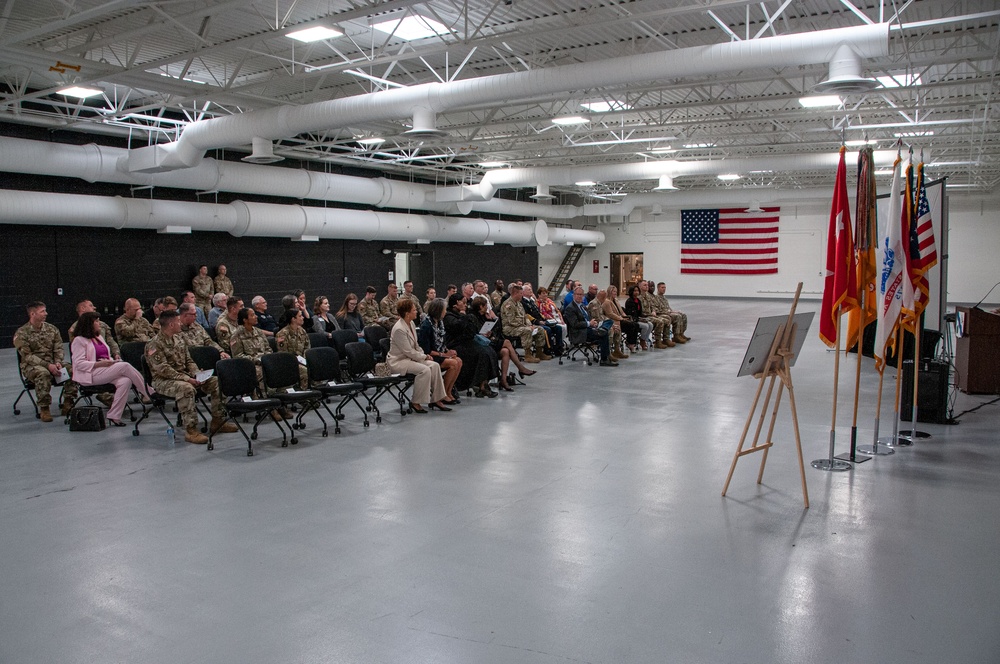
column 406, row 357
column 93, row 365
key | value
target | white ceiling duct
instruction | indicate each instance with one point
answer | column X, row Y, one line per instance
column 658, row 202
column 779, row 51
column 240, row 218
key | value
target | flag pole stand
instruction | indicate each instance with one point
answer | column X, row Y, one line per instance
column 913, row 435
column 832, row 463
column 778, row 366
column 874, row 449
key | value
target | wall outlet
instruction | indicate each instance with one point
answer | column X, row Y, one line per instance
column 59, row 291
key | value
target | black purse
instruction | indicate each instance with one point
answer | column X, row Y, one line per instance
column 87, row 418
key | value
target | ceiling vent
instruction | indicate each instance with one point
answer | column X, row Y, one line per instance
column 845, row 75
column 263, row 153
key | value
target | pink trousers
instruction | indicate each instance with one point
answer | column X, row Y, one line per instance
column 123, row 376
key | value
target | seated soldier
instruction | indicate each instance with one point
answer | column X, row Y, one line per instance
column 167, row 304
column 200, row 318
column 387, row 308
column 194, row 334
column 584, row 330
column 265, row 322
column 678, row 319
column 516, row 325
column 131, row 326
column 661, row 323
column 227, row 324
column 153, row 314
column 497, row 295
column 368, row 307
column 218, row 309
column 249, row 341
column 553, row 333
column 40, row 352
column 174, row 373
column 294, row 339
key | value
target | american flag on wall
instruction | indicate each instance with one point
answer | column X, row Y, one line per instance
column 729, row 241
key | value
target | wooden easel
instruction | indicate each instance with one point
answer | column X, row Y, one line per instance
column 778, row 366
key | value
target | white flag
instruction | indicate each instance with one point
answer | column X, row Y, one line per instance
column 892, row 275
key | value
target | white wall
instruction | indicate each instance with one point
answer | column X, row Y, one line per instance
column 974, row 254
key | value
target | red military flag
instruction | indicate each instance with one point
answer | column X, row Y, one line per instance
column 841, row 286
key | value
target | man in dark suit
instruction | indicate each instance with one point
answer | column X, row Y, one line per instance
column 584, row 330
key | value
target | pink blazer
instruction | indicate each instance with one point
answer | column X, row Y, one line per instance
column 84, row 358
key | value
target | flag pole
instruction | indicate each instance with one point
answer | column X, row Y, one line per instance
column 832, row 463
column 897, row 440
column 914, row 434
column 853, row 457
column 874, row 449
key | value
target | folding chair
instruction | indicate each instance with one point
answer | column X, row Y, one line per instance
column 398, row 390
column 133, row 352
column 318, row 340
column 238, row 386
column 26, row 387
column 281, row 378
column 361, row 368
column 206, row 357
column 374, row 335
column 325, row 375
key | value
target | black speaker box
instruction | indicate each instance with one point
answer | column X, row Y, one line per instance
column 932, row 395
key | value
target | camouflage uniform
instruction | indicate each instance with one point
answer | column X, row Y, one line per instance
column 678, row 320
column 195, row 335
column 204, row 289
column 225, row 329
column 653, row 312
column 387, row 308
column 108, row 338
column 37, row 349
column 496, row 298
column 369, row 312
column 133, row 329
column 251, row 344
column 223, row 285
column 171, row 366
column 295, row 340
column 515, row 323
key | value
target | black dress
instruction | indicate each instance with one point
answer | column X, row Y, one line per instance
column 479, row 363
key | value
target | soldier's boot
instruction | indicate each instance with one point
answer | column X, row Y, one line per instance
column 44, row 414
column 221, row 425
column 67, row 405
column 618, row 355
column 107, row 399
column 682, row 338
column 529, row 358
column 542, row 355
column 668, row 342
column 192, row 435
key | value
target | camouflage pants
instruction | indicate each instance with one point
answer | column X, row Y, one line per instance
column 678, row 322
column 525, row 335
column 184, row 393
column 660, row 326
column 42, row 379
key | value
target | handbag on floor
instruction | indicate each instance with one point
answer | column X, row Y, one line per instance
column 87, row 418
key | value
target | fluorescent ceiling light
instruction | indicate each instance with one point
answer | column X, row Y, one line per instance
column 570, row 120
column 314, row 34
column 763, row 171
column 494, row 164
column 606, row 106
column 374, row 140
column 900, row 80
column 884, row 171
column 952, row 163
column 728, row 177
column 585, row 183
column 616, row 141
column 912, row 134
column 817, row 101
column 665, row 148
column 81, row 92
column 412, row 27
column 178, row 78
column 694, row 146
column 860, row 142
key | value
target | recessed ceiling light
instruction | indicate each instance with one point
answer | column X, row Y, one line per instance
column 570, row 120
column 314, row 34
column 606, row 106
column 494, row 164
column 412, row 27
column 728, row 177
column 695, row 146
column 374, row 140
column 820, row 100
column 585, row 183
column 81, row 92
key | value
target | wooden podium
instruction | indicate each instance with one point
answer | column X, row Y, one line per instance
column 977, row 352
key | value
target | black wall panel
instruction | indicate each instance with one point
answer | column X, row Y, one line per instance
column 108, row 266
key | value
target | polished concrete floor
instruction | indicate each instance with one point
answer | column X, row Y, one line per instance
column 577, row 520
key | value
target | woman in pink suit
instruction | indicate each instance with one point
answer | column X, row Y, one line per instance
column 93, row 365
column 407, row 357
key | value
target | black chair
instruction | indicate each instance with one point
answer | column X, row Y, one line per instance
column 399, row 390
column 361, row 368
column 374, row 334
column 133, row 352
column 340, row 339
column 238, row 386
column 273, row 343
column 212, row 334
column 318, row 340
column 206, row 357
column 325, row 375
column 281, row 374
column 26, row 388
column 88, row 392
